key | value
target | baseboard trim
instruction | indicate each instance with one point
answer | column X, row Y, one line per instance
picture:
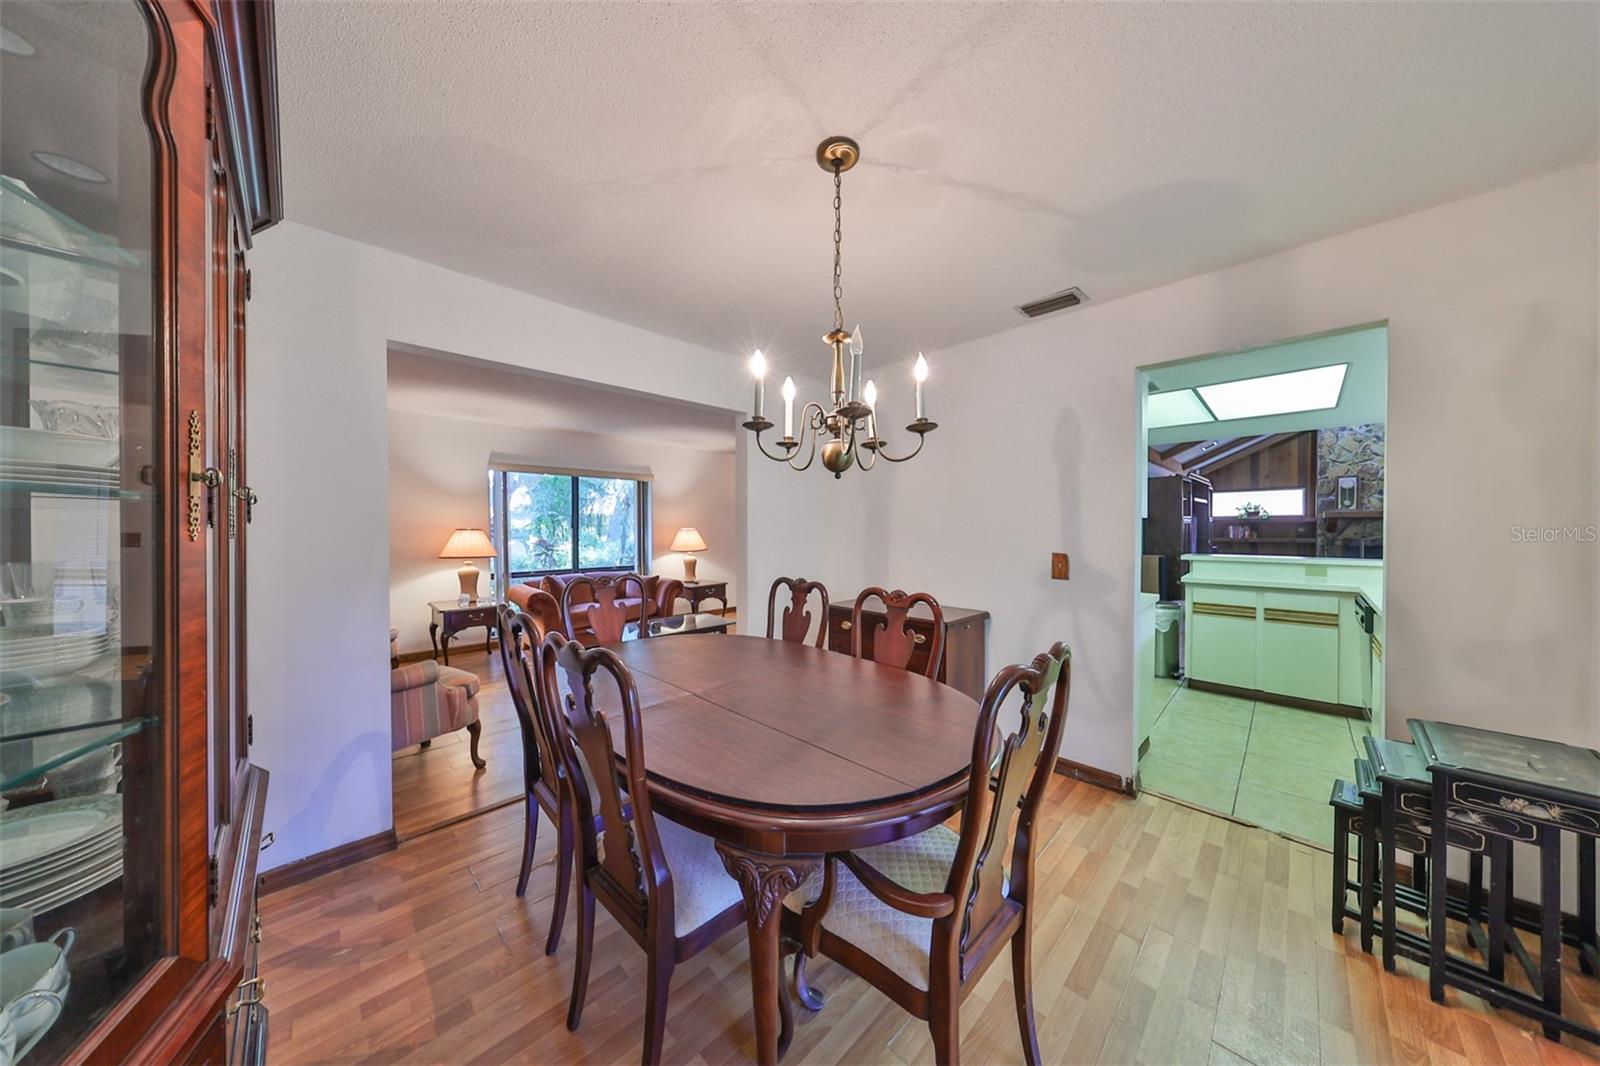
column 325, row 862
column 1093, row 775
column 1341, row 710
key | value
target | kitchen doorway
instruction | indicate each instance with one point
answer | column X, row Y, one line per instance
column 1259, row 610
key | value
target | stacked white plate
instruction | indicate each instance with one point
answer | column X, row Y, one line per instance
column 42, row 652
column 52, row 853
column 60, row 458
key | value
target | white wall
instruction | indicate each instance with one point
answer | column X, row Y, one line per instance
column 1491, row 305
column 324, row 313
column 437, row 483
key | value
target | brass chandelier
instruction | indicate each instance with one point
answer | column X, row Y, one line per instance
column 848, row 429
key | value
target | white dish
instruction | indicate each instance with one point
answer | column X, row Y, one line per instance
column 9, row 1051
column 32, row 833
column 16, row 927
column 42, row 882
column 40, row 967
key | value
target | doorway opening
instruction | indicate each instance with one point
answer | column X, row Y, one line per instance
column 1259, row 663
column 503, row 480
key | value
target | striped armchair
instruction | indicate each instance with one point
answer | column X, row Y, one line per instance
column 428, row 700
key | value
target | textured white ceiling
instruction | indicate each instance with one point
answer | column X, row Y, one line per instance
column 653, row 162
column 448, row 386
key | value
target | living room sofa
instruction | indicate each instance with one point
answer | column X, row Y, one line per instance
column 660, row 596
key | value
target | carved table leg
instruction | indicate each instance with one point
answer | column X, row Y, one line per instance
column 765, row 880
column 433, row 637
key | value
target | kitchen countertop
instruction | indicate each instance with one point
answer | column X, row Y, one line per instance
column 1363, row 577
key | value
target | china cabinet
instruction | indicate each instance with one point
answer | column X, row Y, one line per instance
column 138, row 155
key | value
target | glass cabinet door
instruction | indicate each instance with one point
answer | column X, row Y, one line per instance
column 83, row 751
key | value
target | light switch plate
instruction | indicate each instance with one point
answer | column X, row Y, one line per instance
column 1059, row 566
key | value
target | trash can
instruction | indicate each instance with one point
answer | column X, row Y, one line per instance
column 1169, row 617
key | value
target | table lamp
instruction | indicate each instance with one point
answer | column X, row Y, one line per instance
column 468, row 544
column 688, row 540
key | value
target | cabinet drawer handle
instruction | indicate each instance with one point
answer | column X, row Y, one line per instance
column 845, row 626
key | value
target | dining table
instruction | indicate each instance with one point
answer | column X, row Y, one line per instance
column 784, row 752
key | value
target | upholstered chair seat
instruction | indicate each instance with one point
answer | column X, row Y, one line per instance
column 428, row 700
column 701, row 887
column 900, row 941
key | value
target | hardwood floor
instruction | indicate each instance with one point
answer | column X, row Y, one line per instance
column 1164, row 935
column 437, row 785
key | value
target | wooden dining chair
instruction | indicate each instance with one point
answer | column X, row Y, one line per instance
column 796, row 618
column 663, row 883
column 604, row 614
column 543, row 786
column 894, row 642
column 922, row 918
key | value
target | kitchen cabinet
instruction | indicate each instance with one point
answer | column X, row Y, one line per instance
column 138, row 155
column 1258, row 625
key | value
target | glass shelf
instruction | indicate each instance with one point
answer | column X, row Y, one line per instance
column 36, row 228
column 114, row 732
column 42, row 487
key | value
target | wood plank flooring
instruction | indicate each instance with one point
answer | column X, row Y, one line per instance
column 1163, row 935
column 436, row 785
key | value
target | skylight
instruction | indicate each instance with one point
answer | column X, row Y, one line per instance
column 1316, row 389
column 1179, row 408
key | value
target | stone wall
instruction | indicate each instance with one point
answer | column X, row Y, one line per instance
column 1350, row 451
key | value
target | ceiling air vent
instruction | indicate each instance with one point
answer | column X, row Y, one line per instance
column 1059, row 302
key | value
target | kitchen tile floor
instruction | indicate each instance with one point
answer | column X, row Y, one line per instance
column 1262, row 763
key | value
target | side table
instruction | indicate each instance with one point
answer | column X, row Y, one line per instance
column 451, row 617
column 697, row 592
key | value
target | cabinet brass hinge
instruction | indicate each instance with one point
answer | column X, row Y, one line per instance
column 249, row 729
column 247, row 284
column 211, row 881
column 211, row 112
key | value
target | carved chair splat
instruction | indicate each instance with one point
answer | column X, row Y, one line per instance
column 796, row 621
column 606, row 616
column 894, row 642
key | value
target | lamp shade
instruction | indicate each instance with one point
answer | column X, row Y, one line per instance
column 467, row 544
column 688, row 540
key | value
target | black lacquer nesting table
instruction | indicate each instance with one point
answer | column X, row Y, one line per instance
column 1504, row 790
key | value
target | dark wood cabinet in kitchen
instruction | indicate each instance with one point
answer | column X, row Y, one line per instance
column 1177, row 523
column 965, row 636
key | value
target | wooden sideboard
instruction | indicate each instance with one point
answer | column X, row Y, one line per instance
column 965, row 639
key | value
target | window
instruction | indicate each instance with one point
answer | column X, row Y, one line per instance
column 1279, row 503
column 547, row 521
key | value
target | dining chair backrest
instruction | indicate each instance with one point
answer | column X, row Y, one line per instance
column 1010, row 773
column 606, row 614
column 518, row 638
column 796, row 622
column 632, row 866
column 894, row 641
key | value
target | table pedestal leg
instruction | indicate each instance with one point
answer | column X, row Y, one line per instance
column 765, row 879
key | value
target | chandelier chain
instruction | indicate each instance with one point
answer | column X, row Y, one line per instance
column 838, row 238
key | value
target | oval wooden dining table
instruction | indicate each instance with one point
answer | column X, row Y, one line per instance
column 784, row 752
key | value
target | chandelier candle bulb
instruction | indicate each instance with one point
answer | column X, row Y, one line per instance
column 788, row 408
column 758, row 367
column 920, row 373
column 869, row 395
column 856, row 363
